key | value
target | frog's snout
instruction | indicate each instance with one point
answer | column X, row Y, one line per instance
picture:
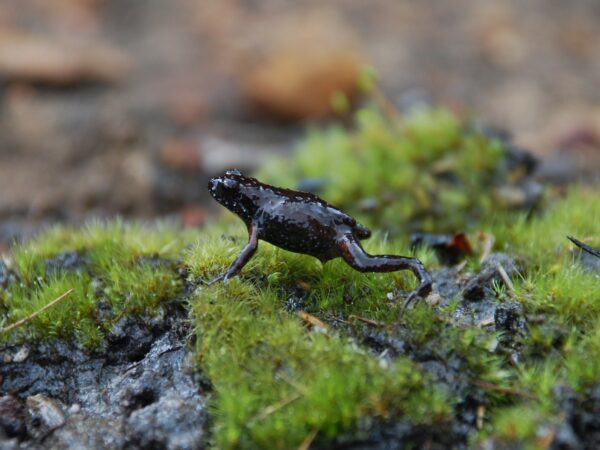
column 213, row 185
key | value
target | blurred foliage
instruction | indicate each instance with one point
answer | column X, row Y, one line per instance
column 124, row 267
column 425, row 171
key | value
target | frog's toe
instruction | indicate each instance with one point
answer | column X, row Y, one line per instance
column 422, row 291
column 214, row 280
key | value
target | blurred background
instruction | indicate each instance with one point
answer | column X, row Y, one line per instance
column 127, row 107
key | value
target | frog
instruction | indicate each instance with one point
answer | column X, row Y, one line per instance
column 302, row 222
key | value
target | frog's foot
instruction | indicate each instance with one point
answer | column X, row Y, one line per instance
column 422, row 291
column 214, row 280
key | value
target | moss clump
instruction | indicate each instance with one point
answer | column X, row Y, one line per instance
column 426, row 172
column 561, row 299
column 276, row 381
column 126, row 268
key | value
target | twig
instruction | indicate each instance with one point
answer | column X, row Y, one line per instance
column 488, row 244
column 293, row 383
column 504, row 390
column 365, row 320
column 305, row 445
column 32, row 316
column 122, row 313
column 505, row 278
column 312, row 320
column 337, row 319
column 486, row 322
column 271, row 409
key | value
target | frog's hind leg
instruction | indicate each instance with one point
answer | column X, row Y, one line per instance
column 353, row 253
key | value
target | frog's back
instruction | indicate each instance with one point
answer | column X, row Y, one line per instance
column 304, row 223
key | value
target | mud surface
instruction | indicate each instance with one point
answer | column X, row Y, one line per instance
column 141, row 392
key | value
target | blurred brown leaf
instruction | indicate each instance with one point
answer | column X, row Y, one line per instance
column 41, row 59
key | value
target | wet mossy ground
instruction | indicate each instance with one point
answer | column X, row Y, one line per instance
column 297, row 353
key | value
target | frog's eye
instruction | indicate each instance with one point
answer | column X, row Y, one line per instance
column 234, row 172
column 230, row 184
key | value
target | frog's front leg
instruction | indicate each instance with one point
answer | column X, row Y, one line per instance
column 242, row 258
column 352, row 252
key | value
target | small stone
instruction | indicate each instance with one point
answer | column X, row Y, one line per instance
column 171, row 423
column 74, row 408
column 21, row 355
column 69, row 261
column 83, row 431
column 433, row 299
column 6, row 275
column 480, row 285
column 509, row 317
column 43, row 415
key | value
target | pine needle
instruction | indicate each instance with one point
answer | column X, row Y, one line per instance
column 32, row 316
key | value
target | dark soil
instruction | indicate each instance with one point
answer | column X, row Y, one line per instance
column 141, row 393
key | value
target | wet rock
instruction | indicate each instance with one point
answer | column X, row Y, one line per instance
column 144, row 371
column 380, row 341
column 398, row 435
column 43, row 415
column 580, row 427
column 445, row 282
column 518, row 159
column 509, row 317
column 565, row 438
column 170, row 423
column 7, row 276
column 65, row 262
column 131, row 338
column 524, row 194
column 480, row 285
column 12, row 418
column 85, row 431
column 21, row 354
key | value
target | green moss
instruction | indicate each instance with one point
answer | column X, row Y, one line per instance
column 561, row 299
column 261, row 357
column 426, row 171
column 278, row 377
column 125, row 266
column 275, row 381
column 270, row 371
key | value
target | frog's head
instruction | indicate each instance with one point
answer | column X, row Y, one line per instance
column 235, row 192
